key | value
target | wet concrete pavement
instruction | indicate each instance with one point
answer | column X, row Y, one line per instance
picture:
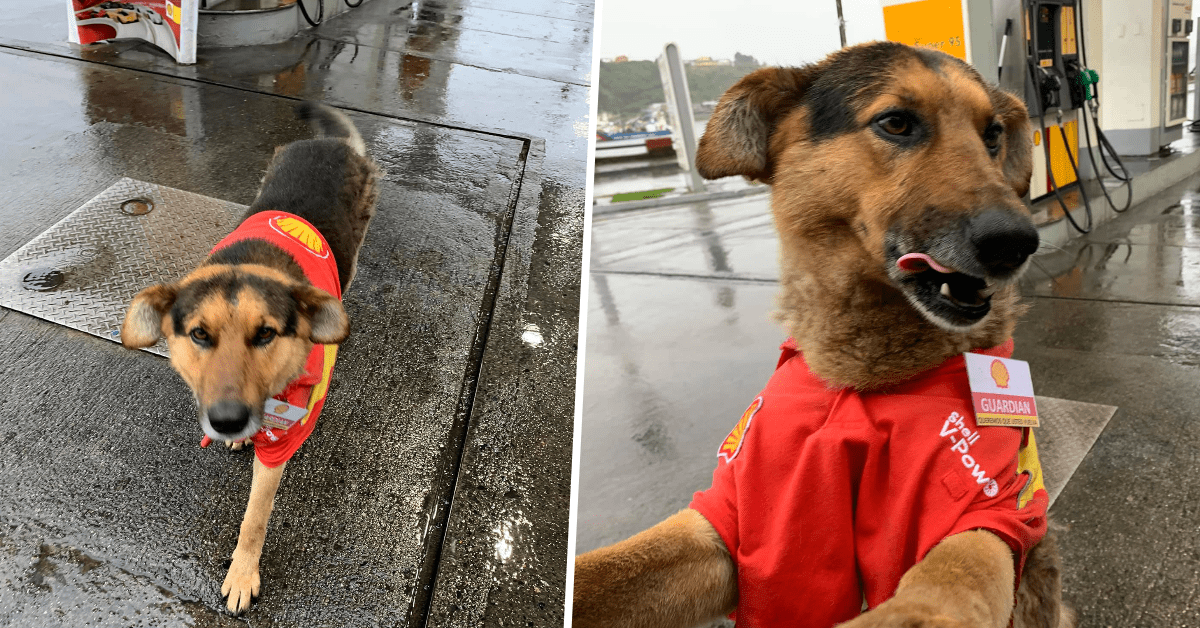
column 435, row 489
column 680, row 339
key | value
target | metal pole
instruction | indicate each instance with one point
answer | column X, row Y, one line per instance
column 679, row 110
column 841, row 23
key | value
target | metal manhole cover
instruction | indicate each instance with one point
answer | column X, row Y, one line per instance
column 83, row 271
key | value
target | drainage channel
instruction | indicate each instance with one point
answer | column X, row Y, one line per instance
column 443, row 500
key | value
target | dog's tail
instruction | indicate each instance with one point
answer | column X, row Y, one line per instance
column 330, row 122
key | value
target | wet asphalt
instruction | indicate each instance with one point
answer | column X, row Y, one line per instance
column 680, row 338
column 435, row 488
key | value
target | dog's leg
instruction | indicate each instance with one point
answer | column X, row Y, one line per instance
column 676, row 574
column 241, row 584
column 965, row 581
column 1039, row 596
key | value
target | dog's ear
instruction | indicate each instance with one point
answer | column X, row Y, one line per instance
column 1018, row 141
column 327, row 317
column 738, row 135
column 143, row 321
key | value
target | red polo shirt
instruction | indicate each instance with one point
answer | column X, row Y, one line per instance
column 279, row 437
column 825, row 496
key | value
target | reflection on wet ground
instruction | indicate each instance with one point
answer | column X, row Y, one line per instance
column 731, row 239
column 680, row 338
column 436, row 487
column 1153, row 257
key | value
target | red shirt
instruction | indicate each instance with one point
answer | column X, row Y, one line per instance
column 826, row 496
column 279, row 438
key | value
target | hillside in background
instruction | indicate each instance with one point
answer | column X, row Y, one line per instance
column 628, row 87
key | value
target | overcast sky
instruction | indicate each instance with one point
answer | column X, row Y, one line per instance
column 779, row 32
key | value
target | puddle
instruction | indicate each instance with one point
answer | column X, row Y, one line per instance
column 53, row 585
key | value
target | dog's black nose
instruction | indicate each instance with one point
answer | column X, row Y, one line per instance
column 228, row 417
column 1003, row 240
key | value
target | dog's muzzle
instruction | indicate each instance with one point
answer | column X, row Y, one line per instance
column 1002, row 241
column 951, row 278
column 229, row 420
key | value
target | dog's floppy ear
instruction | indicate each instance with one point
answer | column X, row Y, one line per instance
column 1018, row 141
column 325, row 313
column 143, row 321
column 738, row 135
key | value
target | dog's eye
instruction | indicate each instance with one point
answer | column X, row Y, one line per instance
column 895, row 124
column 264, row 336
column 199, row 335
column 991, row 136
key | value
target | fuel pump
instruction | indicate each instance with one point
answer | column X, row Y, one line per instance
column 1054, row 85
column 1050, row 37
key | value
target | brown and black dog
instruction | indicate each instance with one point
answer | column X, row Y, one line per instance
column 897, row 175
column 245, row 324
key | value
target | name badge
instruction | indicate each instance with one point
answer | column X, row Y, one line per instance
column 1001, row 391
column 281, row 415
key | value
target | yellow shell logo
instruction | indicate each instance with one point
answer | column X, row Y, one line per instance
column 733, row 443
column 281, row 408
column 303, row 233
column 1000, row 373
column 1027, row 462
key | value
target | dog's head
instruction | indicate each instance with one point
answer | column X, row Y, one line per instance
column 237, row 334
column 891, row 163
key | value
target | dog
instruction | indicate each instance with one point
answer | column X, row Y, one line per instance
column 896, row 176
column 254, row 330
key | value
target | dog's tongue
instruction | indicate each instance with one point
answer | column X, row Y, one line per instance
column 917, row 262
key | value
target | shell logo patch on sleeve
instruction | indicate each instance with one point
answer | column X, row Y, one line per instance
column 300, row 232
column 733, row 443
column 1028, row 462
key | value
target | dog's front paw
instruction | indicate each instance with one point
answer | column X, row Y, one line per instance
column 241, row 584
column 902, row 614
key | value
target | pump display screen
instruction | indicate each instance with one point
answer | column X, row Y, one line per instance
column 1047, row 34
column 1177, row 94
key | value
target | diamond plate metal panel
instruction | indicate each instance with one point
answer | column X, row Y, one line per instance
column 103, row 256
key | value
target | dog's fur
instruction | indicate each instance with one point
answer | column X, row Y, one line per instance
column 879, row 151
column 240, row 327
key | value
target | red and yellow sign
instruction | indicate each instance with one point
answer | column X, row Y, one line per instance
column 936, row 24
column 733, row 443
column 1012, row 410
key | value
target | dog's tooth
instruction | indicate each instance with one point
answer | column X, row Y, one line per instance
column 945, row 289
